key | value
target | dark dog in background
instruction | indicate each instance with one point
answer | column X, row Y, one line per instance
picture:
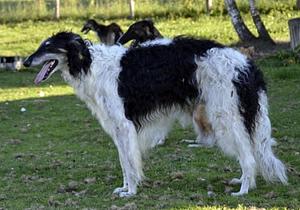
column 108, row 35
column 140, row 32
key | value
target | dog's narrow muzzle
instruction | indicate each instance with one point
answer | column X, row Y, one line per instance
column 27, row 62
column 123, row 40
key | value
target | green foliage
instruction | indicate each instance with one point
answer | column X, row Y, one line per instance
column 22, row 38
column 20, row 10
column 288, row 57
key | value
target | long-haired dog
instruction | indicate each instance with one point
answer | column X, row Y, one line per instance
column 137, row 93
column 107, row 34
column 143, row 31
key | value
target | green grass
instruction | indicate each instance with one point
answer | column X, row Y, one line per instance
column 23, row 38
column 57, row 141
column 20, row 10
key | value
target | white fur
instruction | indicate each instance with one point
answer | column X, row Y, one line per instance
column 158, row 41
column 216, row 70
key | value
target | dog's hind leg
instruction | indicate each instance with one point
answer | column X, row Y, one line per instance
column 234, row 141
column 203, row 129
column 124, row 135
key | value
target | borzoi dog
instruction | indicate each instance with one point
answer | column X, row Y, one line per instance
column 137, row 93
column 143, row 31
column 106, row 34
column 140, row 31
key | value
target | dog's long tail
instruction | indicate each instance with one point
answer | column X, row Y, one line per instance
column 270, row 167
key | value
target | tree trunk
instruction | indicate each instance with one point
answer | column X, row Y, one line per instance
column 57, row 9
column 263, row 34
column 208, row 6
column 131, row 8
column 298, row 4
column 39, row 6
column 294, row 28
column 242, row 30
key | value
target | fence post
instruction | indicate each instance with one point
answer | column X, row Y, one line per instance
column 208, row 6
column 131, row 7
column 294, row 28
column 298, row 4
column 57, row 9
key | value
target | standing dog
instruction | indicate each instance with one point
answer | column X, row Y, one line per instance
column 140, row 31
column 139, row 92
column 107, row 34
column 143, row 31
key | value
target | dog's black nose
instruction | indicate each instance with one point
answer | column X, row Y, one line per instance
column 27, row 62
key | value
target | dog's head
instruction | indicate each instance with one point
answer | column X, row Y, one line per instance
column 89, row 25
column 140, row 31
column 63, row 51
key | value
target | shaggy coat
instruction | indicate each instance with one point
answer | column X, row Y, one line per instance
column 136, row 94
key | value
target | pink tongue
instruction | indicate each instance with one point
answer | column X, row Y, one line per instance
column 42, row 73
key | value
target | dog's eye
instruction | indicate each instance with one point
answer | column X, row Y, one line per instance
column 47, row 44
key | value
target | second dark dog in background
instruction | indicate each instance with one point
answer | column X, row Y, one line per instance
column 140, row 32
column 107, row 34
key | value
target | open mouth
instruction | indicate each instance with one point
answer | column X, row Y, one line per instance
column 46, row 71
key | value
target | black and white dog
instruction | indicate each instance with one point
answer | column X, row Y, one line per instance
column 106, row 34
column 144, row 31
column 137, row 93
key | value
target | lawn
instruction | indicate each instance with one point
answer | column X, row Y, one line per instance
column 24, row 37
column 53, row 153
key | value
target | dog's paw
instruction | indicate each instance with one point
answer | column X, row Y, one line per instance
column 118, row 190
column 195, row 145
column 239, row 193
column 235, row 181
column 161, row 141
column 126, row 194
column 189, row 141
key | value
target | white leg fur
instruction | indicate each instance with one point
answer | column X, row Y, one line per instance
column 215, row 74
column 123, row 133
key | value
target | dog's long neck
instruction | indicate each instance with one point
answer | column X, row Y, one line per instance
column 102, row 31
column 105, row 64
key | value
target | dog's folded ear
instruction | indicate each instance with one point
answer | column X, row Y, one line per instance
column 79, row 57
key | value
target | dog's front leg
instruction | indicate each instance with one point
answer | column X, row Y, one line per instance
column 124, row 135
column 118, row 190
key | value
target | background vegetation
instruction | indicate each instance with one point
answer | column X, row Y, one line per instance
column 19, row 10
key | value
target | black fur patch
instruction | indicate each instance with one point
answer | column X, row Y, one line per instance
column 79, row 57
column 247, row 87
column 155, row 78
column 140, row 31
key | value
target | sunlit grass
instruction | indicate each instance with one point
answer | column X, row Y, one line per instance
column 23, row 38
column 55, row 139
